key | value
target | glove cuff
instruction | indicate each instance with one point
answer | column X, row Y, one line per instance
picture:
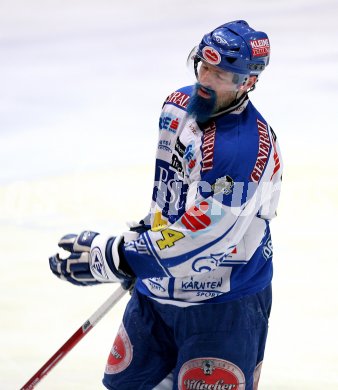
column 107, row 264
column 103, row 264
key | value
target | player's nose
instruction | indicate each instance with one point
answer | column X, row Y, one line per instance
column 207, row 80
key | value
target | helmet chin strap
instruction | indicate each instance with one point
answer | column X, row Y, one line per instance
column 237, row 102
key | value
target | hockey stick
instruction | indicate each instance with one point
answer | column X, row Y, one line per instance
column 75, row 338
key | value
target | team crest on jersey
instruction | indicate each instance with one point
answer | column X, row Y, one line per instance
column 121, row 353
column 208, row 263
column 210, row 373
column 223, row 185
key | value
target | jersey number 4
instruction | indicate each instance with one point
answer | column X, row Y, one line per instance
column 170, row 236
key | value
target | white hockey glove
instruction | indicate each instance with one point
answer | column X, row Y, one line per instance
column 93, row 259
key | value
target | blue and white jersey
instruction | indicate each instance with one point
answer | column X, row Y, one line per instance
column 216, row 188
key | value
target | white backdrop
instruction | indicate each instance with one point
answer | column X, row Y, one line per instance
column 82, row 84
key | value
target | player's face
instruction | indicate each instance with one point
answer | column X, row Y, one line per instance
column 215, row 91
column 218, row 80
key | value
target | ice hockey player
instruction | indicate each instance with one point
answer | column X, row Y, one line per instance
column 202, row 258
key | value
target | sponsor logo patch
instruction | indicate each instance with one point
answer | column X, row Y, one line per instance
column 208, row 146
column 211, row 55
column 168, row 123
column 201, row 285
column 179, row 99
column 121, row 353
column 189, row 156
column 176, row 164
column 156, row 284
column 264, row 145
column 165, row 145
column 260, row 47
column 195, row 218
column 192, row 128
column 179, row 147
column 211, row 374
column 275, row 154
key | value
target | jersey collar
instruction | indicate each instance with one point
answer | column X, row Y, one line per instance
column 237, row 107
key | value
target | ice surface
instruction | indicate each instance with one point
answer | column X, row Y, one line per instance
column 82, row 84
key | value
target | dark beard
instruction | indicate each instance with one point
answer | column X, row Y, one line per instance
column 199, row 107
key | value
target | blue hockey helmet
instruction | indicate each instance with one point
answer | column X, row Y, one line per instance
column 234, row 47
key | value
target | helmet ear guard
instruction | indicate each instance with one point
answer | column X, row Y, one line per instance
column 251, row 87
column 240, row 79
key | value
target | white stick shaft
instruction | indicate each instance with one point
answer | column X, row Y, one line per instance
column 107, row 305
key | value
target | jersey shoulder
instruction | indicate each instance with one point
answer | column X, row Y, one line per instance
column 256, row 143
column 231, row 144
column 180, row 97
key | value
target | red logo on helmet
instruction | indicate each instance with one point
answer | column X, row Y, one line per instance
column 210, row 373
column 211, row 55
